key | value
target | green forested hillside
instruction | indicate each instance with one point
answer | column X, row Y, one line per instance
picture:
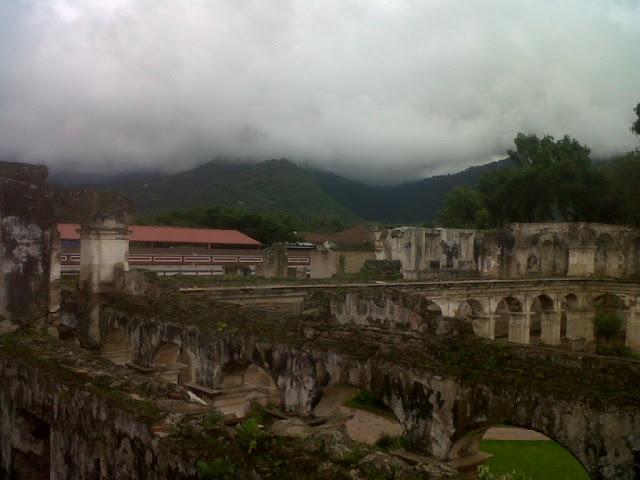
column 271, row 186
column 281, row 186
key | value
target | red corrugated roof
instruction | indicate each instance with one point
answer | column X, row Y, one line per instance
column 144, row 233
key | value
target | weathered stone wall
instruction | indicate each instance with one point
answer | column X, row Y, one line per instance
column 519, row 250
column 427, row 249
column 439, row 412
column 27, row 243
column 82, row 436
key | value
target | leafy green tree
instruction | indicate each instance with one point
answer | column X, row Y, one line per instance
column 620, row 198
column 464, row 208
column 267, row 228
column 327, row 224
column 550, row 180
column 635, row 127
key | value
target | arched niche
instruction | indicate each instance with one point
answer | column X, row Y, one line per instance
column 541, row 318
column 243, row 384
column 473, row 311
column 117, row 346
column 547, row 260
column 365, row 417
column 30, row 447
column 605, row 249
column 505, row 310
column 610, row 305
column 173, row 364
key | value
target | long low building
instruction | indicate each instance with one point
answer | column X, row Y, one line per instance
column 172, row 250
column 198, row 251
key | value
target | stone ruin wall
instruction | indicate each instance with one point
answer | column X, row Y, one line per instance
column 46, row 424
column 520, row 250
column 440, row 414
column 29, row 245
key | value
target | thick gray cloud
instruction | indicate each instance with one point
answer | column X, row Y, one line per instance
column 380, row 89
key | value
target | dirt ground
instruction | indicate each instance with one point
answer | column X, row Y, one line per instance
column 513, row 433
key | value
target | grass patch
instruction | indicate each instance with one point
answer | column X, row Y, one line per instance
column 541, row 460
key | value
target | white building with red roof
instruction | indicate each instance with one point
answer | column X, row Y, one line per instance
column 172, row 250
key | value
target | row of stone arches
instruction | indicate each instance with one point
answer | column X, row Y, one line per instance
column 240, row 384
column 545, row 321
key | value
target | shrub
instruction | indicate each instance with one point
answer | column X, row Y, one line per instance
column 217, row 469
column 250, row 433
column 607, row 325
column 388, row 442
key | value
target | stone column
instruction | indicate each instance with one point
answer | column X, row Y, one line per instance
column 633, row 329
column 519, row 324
column 483, row 326
column 551, row 326
column 104, row 245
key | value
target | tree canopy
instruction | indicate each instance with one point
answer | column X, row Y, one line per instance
column 635, row 127
column 551, row 180
column 267, row 228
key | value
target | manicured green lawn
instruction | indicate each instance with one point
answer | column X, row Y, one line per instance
column 539, row 459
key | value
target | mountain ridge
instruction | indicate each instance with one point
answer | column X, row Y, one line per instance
column 280, row 185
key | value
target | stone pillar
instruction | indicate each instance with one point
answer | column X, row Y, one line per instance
column 26, row 232
column 483, row 326
column 104, row 245
column 633, row 329
column 519, row 324
column 551, row 326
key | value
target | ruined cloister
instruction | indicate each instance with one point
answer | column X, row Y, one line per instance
column 449, row 358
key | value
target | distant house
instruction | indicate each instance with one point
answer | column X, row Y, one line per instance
column 341, row 252
column 170, row 250
column 360, row 238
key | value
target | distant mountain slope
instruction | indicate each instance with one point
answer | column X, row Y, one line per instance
column 409, row 202
column 282, row 186
column 271, row 186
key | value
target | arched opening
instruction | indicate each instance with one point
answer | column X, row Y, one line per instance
column 172, row 364
column 117, row 347
column 30, row 447
column 504, row 449
column 609, row 323
column 472, row 311
column 364, row 416
column 243, row 384
column 505, row 314
column 68, row 335
column 605, row 245
column 568, row 306
column 427, row 316
column 541, row 322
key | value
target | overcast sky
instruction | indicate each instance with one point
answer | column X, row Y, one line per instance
column 381, row 90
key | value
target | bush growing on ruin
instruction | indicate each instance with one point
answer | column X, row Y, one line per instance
column 217, row 469
column 250, row 433
column 607, row 326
